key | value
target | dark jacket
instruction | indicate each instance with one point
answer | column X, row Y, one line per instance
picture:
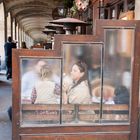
column 121, row 95
column 8, row 49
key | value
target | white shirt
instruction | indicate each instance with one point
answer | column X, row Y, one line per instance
column 27, row 83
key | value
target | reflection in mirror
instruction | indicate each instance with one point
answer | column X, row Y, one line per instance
column 117, row 67
column 40, row 91
column 82, row 66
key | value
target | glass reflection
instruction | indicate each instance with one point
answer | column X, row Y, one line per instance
column 40, row 91
column 82, row 66
column 117, row 68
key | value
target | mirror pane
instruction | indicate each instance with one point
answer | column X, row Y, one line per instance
column 82, row 72
column 40, row 91
column 119, row 44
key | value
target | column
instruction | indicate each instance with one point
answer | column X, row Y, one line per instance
column 5, row 25
column 137, row 9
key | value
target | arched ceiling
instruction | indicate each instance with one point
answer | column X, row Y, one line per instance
column 32, row 15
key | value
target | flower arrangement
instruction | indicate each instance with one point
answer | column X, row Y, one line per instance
column 75, row 6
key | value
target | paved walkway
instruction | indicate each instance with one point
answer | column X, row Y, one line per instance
column 5, row 102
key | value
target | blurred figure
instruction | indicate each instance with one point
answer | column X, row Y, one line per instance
column 9, row 111
column 9, row 45
column 29, row 80
column 108, row 94
column 23, row 45
column 107, row 90
column 121, row 95
column 79, row 91
column 44, row 90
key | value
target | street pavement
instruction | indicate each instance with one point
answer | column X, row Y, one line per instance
column 5, row 102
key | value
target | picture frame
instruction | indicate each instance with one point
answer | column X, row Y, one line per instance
column 82, row 66
column 39, row 74
column 101, row 83
column 88, row 55
column 68, row 46
column 95, row 120
column 33, row 70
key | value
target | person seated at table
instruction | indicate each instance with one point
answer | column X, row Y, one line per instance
column 23, row 45
column 107, row 93
column 44, row 90
column 79, row 91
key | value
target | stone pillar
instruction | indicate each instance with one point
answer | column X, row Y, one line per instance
column 5, row 25
column 137, row 9
column 11, row 26
column 16, row 30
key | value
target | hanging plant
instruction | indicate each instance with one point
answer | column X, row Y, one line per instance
column 82, row 5
column 73, row 10
column 68, row 3
column 75, row 6
column 79, row 6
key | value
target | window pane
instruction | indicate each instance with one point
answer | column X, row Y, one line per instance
column 40, row 91
column 117, row 68
column 82, row 72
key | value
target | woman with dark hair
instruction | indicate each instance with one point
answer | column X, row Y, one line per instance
column 79, row 92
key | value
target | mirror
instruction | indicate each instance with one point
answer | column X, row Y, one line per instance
column 119, row 44
column 82, row 67
column 40, row 90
